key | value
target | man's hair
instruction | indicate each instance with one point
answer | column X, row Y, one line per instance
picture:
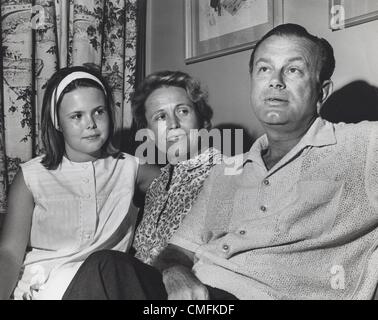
column 327, row 59
column 166, row 78
column 53, row 140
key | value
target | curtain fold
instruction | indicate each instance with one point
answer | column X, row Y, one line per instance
column 140, row 71
column 42, row 36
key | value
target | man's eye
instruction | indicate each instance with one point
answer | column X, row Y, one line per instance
column 263, row 69
column 294, row 70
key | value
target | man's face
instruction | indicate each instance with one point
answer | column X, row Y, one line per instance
column 284, row 82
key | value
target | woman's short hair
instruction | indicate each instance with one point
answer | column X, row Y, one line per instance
column 166, row 78
column 52, row 138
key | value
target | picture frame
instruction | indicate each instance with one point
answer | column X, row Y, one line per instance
column 217, row 28
column 348, row 13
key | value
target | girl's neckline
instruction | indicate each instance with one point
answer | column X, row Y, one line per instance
column 66, row 159
column 102, row 156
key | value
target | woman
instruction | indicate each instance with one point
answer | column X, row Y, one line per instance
column 170, row 104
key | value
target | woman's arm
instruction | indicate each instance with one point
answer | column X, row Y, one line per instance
column 14, row 235
column 146, row 173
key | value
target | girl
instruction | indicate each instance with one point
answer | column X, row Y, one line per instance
column 75, row 199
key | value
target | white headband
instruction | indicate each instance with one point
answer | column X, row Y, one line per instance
column 62, row 85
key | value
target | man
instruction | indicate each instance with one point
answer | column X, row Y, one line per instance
column 300, row 221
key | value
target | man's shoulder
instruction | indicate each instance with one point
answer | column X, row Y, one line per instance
column 355, row 132
column 353, row 141
column 360, row 127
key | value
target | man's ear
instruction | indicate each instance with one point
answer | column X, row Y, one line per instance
column 326, row 90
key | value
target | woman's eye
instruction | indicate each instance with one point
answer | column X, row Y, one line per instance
column 160, row 117
column 183, row 111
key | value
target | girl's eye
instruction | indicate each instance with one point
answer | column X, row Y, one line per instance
column 100, row 111
column 76, row 116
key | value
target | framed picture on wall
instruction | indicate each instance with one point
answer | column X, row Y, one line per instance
column 348, row 13
column 214, row 28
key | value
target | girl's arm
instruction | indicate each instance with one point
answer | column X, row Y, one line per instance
column 146, row 173
column 14, row 234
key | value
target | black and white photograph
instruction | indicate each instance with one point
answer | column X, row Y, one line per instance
column 209, row 150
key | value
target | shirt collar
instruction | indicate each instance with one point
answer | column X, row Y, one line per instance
column 68, row 162
column 321, row 133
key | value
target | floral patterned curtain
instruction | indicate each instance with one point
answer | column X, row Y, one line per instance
column 41, row 36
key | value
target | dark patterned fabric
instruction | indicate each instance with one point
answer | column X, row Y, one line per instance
column 168, row 200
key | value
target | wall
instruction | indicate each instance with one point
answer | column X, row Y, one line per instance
column 227, row 79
